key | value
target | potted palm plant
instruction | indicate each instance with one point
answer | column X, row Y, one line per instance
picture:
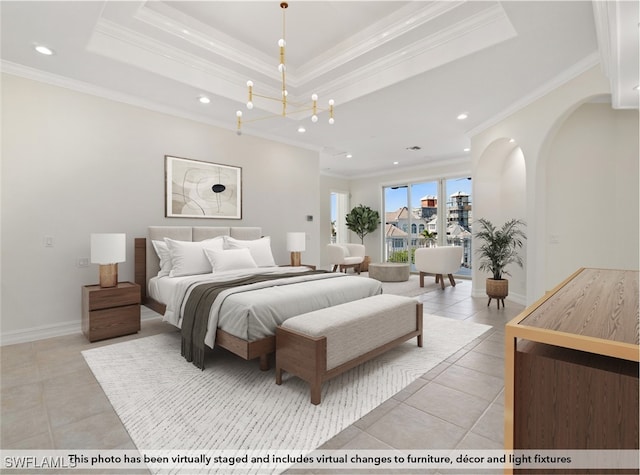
column 363, row 220
column 499, row 248
column 429, row 238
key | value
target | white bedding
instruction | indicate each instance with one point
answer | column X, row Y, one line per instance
column 253, row 311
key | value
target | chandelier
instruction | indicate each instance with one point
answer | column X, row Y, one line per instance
column 288, row 107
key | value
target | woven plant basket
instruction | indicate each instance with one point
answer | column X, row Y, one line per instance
column 497, row 289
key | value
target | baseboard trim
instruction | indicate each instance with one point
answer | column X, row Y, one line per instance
column 43, row 332
column 39, row 333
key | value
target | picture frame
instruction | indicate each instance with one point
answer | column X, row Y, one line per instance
column 198, row 189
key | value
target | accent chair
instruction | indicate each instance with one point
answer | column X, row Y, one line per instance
column 440, row 261
column 344, row 256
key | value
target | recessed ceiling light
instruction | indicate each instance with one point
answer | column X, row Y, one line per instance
column 467, row 149
column 637, row 88
column 301, row 129
column 204, row 99
column 349, row 155
column 44, row 50
column 395, row 163
column 462, row 116
column 512, row 140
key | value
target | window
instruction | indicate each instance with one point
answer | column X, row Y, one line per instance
column 436, row 212
column 339, row 211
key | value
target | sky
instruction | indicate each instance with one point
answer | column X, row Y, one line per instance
column 397, row 198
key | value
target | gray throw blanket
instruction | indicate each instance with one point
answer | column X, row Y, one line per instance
column 196, row 311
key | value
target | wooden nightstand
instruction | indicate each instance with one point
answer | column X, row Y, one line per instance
column 112, row 311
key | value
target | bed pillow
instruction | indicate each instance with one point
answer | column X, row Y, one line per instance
column 162, row 250
column 260, row 249
column 188, row 258
column 230, row 259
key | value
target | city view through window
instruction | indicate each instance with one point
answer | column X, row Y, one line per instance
column 413, row 218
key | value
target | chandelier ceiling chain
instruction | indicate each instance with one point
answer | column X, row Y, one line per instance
column 283, row 99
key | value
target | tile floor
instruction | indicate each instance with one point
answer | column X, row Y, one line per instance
column 50, row 399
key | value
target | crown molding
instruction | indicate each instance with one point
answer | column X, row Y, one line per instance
column 603, row 34
column 112, row 40
column 617, row 33
column 567, row 75
column 482, row 30
column 132, row 44
column 7, row 67
column 431, row 163
column 374, row 36
column 207, row 38
column 104, row 93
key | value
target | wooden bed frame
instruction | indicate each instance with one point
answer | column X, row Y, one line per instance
column 249, row 350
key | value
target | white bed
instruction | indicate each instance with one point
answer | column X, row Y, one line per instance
column 242, row 319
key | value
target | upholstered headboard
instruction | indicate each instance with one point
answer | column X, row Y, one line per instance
column 151, row 265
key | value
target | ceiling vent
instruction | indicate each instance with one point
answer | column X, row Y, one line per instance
column 414, row 148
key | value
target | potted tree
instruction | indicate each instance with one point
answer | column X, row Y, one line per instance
column 363, row 220
column 499, row 248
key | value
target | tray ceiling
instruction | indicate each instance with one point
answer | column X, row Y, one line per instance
column 400, row 72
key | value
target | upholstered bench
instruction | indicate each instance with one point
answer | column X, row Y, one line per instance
column 319, row 345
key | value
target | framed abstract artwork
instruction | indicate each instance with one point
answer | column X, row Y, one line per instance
column 196, row 189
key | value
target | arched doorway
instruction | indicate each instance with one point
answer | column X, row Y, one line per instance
column 500, row 179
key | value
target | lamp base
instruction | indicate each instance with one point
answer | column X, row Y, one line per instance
column 295, row 259
column 108, row 275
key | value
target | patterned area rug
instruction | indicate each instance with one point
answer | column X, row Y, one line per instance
column 166, row 403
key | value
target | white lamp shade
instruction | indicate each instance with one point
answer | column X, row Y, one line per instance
column 296, row 242
column 108, row 248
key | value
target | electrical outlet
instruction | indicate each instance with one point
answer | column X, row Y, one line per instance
column 83, row 262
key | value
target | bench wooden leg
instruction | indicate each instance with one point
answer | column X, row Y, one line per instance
column 440, row 277
column 421, row 279
column 264, row 362
column 316, row 389
column 278, row 375
column 419, row 322
column 453, row 282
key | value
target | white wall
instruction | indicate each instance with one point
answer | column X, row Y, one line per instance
column 538, row 131
column 74, row 164
column 592, row 192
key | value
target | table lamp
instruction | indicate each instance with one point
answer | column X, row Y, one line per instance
column 295, row 244
column 107, row 250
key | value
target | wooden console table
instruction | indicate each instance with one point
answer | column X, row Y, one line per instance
column 571, row 366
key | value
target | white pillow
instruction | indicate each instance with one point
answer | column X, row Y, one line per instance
column 188, row 258
column 260, row 249
column 230, row 259
column 162, row 250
